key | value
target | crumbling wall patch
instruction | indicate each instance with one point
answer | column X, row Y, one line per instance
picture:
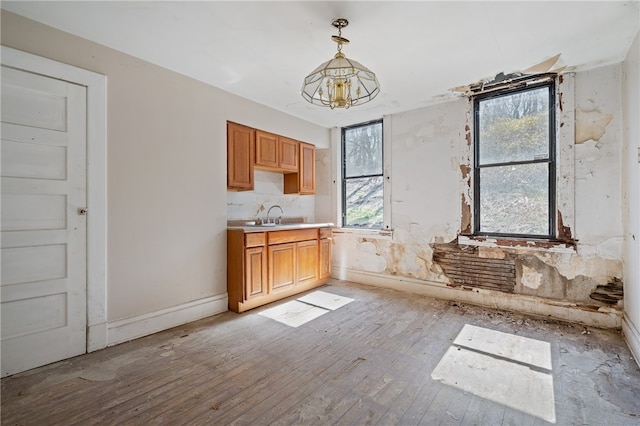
column 591, row 125
column 464, row 267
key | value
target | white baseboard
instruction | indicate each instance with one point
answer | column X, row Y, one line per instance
column 632, row 335
column 143, row 325
column 605, row 317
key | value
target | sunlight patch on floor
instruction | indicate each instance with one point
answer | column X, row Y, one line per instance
column 306, row 308
column 325, row 300
column 508, row 369
column 517, row 348
column 293, row 313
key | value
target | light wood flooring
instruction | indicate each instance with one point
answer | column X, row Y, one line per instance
column 368, row 362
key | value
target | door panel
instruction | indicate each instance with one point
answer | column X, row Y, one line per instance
column 43, row 152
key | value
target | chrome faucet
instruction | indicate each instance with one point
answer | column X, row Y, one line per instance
column 269, row 211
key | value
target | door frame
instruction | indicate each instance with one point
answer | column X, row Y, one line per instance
column 96, row 141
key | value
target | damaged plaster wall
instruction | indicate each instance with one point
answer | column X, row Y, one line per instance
column 425, row 168
column 431, row 199
column 598, row 162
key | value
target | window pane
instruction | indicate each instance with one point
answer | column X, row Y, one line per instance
column 515, row 127
column 515, row 199
column 364, row 202
column 363, row 150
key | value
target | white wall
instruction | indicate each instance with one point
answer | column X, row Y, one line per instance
column 631, row 185
column 598, row 161
column 166, row 179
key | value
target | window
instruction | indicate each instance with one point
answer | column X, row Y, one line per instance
column 514, row 173
column 362, row 176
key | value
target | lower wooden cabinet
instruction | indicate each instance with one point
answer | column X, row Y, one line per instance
column 255, row 272
column 324, row 271
column 324, row 266
column 263, row 267
column 307, row 262
column 282, row 266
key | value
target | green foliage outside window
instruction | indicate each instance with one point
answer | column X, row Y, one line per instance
column 514, row 163
column 362, row 176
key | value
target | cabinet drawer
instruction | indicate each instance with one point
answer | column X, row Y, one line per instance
column 292, row 236
column 325, row 233
column 254, row 239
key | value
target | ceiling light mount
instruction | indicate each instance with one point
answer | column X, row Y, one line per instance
column 339, row 77
column 340, row 23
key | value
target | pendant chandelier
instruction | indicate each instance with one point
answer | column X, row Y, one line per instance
column 340, row 82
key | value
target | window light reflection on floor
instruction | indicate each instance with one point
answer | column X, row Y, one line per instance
column 306, row 308
column 511, row 370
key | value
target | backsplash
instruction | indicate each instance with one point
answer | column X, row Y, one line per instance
column 268, row 191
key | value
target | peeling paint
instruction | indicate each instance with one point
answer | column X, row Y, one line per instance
column 465, row 225
column 515, row 243
column 531, row 278
column 467, row 136
column 611, row 293
column 560, row 103
column 591, row 125
column 556, row 274
column 491, row 253
column 564, row 232
column 465, row 170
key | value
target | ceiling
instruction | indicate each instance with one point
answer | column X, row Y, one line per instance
column 419, row 50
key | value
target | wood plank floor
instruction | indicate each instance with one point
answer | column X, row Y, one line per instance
column 368, row 362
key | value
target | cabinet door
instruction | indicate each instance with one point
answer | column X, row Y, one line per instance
column 288, row 154
column 307, row 168
column 303, row 182
column 255, row 273
column 282, row 266
column 325, row 259
column 240, row 157
column 307, row 265
column 267, row 149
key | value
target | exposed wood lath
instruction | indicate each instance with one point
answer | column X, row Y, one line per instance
column 464, row 266
column 611, row 293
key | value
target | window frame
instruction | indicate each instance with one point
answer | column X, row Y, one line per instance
column 552, row 160
column 343, row 165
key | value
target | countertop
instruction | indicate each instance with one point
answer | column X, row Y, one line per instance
column 282, row 227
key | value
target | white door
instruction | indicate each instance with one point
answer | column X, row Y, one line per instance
column 43, row 286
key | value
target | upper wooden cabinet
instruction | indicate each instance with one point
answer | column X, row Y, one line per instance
column 307, row 168
column 289, row 154
column 276, row 152
column 249, row 148
column 267, row 149
column 240, row 157
column 303, row 182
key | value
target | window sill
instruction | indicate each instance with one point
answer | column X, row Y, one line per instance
column 517, row 243
column 380, row 234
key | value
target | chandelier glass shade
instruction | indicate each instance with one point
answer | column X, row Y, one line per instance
column 340, row 82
